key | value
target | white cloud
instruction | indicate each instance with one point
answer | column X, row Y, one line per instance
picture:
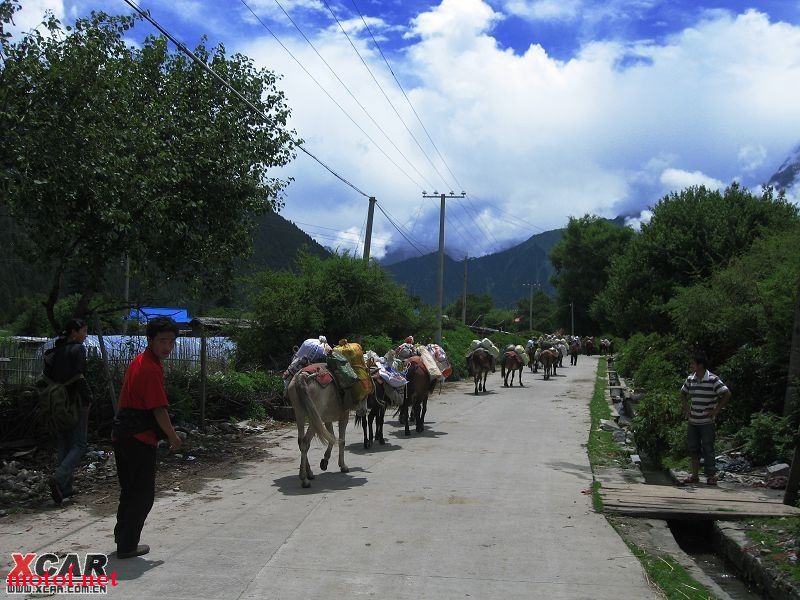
column 544, row 10
column 752, row 157
column 32, row 13
column 676, row 179
column 637, row 222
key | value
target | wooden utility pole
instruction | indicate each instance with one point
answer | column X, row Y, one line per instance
column 440, row 283
column 368, row 235
column 464, row 295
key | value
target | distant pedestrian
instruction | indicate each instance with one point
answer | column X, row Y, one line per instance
column 141, row 417
column 574, row 349
column 704, row 395
column 64, row 362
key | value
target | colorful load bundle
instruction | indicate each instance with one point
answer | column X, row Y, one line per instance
column 430, row 364
column 440, row 357
column 355, row 356
column 523, row 356
column 341, row 369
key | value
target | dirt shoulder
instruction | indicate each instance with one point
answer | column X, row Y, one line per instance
column 203, row 457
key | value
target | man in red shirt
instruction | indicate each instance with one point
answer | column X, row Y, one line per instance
column 143, row 395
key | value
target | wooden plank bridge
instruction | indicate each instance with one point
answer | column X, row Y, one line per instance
column 699, row 502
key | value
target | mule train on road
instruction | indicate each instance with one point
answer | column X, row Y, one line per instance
column 324, row 384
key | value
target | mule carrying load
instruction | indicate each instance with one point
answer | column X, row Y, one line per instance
column 355, row 357
column 487, row 345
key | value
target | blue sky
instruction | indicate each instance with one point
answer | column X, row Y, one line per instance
column 538, row 109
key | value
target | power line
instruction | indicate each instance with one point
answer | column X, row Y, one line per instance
column 374, row 41
column 353, row 96
column 380, row 87
column 396, row 226
column 339, row 106
column 227, row 85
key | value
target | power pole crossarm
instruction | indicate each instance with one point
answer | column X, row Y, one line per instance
column 368, row 234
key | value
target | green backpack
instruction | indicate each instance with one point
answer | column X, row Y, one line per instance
column 55, row 408
column 342, row 370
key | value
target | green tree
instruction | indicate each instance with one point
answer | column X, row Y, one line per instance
column 339, row 297
column 112, row 151
column 478, row 306
column 541, row 307
column 581, row 260
column 692, row 234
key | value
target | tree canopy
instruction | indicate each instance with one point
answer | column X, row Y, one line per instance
column 692, row 234
column 112, row 151
column 339, row 297
column 581, row 259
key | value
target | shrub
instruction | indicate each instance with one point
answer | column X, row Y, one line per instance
column 767, row 438
column 657, row 414
column 657, row 373
column 380, row 344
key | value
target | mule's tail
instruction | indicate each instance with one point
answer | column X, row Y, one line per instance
column 314, row 419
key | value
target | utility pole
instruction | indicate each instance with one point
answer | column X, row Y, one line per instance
column 464, row 295
column 440, row 285
column 530, row 303
column 368, row 235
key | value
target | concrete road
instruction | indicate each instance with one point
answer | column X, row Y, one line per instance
column 486, row 503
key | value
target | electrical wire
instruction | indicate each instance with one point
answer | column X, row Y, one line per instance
column 352, row 95
column 236, row 92
column 385, row 95
column 402, row 233
column 374, row 41
column 321, row 87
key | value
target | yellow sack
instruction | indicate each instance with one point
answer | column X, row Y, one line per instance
column 355, row 356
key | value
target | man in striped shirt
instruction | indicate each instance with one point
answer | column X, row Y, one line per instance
column 703, row 395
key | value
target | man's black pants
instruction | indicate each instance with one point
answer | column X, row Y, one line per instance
column 136, row 471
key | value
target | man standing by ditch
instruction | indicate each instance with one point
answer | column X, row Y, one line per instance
column 141, row 419
column 703, row 395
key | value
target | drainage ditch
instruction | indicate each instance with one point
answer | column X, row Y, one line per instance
column 700, row 540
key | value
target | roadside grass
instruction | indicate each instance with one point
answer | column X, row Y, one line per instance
column 670, row 577
column 779, row 539
column 662, row 571
column 602, row 449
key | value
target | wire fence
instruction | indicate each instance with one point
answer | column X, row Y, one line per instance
column 21, row 359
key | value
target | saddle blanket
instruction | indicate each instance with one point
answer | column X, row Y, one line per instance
column 322, row 375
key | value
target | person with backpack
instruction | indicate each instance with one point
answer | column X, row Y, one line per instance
column 65, row 363
column 141, row 419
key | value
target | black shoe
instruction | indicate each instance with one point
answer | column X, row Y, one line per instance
column 140, row 550
column 55, row 491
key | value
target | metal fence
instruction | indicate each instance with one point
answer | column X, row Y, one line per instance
column 21, row 359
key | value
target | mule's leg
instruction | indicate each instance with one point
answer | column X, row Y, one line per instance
column 373, row 413
column 477, row 378
column 323, row 464
column 521, row 369
column 304, row 441
column 485, row 375
column 418, row 414
column 367, row 442
column 342, row 428
column 404, row 414
column 421, row 422
column 379, row 425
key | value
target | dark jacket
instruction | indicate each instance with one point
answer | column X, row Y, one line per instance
column 63, row 362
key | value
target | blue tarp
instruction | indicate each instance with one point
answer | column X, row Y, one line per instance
column 145, row 313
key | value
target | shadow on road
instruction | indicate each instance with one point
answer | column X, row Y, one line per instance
column 324, row 481
column 358, row 447
column 130, row 568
